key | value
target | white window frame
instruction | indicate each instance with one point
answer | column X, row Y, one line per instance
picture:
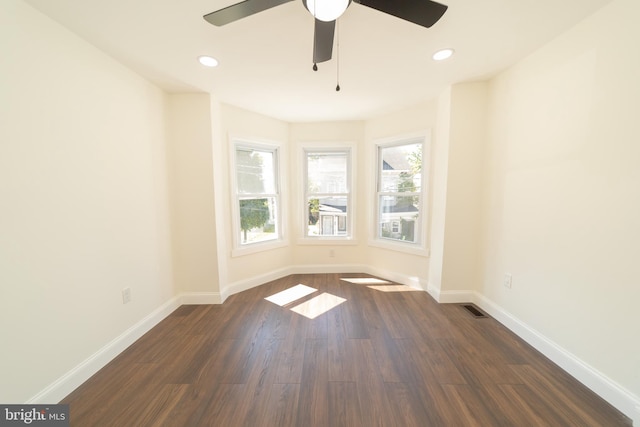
column 420, row 246
column 329, row 147
column 240, row 249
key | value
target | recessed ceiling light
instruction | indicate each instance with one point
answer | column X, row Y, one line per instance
column 208, row 61
column 442, row 54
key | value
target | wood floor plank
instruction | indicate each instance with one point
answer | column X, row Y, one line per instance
column 290, row 359
column 313, row 407
column 154, row 410
column 433, row 354
column 572, row 407
column 121, row 397
column 389, row 360
column 377, row 359
column 221, row 408
column 407, row 408
column 282, row 409
column 476, row 365
column 342, row 363
column 468, row 406
column 254, row 405
column 374, row 405
column 344, row 404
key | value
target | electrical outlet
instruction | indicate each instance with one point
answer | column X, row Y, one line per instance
column 507, row 280
column 332, row 253
column 126, row 295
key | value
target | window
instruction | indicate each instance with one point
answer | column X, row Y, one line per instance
column 257, row 194
column 400, row 191
column 328, row 201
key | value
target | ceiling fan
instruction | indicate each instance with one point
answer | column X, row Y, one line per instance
column 422, row 12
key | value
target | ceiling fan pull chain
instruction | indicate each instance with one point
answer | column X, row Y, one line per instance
column 315, row 66
column 338, row 56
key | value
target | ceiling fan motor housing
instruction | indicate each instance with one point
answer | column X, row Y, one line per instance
column 326, row 10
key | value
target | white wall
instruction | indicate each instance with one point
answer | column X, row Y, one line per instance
column 84, row 208
column 457, row 192
column 563, row 194
column 194, row 235
column 438, row 194
column 464, row 188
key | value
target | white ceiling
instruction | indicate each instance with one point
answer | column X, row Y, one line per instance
column 265, row 60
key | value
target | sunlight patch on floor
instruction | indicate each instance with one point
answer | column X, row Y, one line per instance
column 290, row 295
column 364, row 280
column 318, row 305
column 394, row 288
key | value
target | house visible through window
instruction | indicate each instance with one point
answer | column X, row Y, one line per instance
column 257, row 194
column 327, row 193
column 399, row 191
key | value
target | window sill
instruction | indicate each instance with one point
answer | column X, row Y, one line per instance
column 258, row 247
column 400, row 247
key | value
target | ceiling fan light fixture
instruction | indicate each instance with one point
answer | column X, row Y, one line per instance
column 326, row 10
column 208, row 61
column 443, row 54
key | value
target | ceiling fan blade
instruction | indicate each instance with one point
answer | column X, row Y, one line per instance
column 323, row 40
column 241, row 10
column 421, row 12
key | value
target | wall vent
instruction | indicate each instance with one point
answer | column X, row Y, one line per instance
column 474, row 311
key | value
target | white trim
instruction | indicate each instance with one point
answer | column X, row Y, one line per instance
column 67, row 383
column 621, row 398
column 419, row 247
column 252, row 282
column 246, row 284
column 200, row 298
column 279, row 153
column 256, row 247
column 348, row 147
column 397, row 246
column 453, row 297
column 403, row 279
column 328, row 268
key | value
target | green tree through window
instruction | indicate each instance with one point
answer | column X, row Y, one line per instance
column 254, row 213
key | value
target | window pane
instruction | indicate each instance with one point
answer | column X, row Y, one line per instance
column 401, row 168
column 256, row 171
column 258, row 220
column 327, row 216
column 327, row 172
column 399, row 217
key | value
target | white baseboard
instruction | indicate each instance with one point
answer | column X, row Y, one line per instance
column 252, row 282
column 618, row 396
column 621, row 398
column 328, row 268
column 191, row 298
column 60, row 388
column 246, row 284
column 403, row 279
column 453, row 297
column 64, row 385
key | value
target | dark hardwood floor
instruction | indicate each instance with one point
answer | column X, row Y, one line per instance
column 377, row 359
